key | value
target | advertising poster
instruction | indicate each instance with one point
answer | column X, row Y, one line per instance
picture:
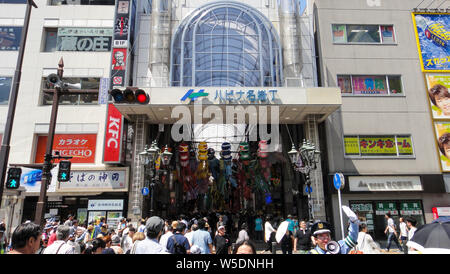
column 438, row 95
column 119, row 61
column 80, row 146
column 84, row 39
column 31, row 179
column 433, row 40
column 443, row 141
column 95, row 216
column 113, row 137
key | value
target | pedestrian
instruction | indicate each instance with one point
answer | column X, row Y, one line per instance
column 108, row 243
column 291, row 222
column 26, row 239
column 287, row 242
column 178, row 243
column 115, row 244
column 3, row 241
column 269, row 234
column 150, row 245
column 411, row 224
column 202, row 238
column 89, row 235
column 246, row 247
column 191, row 229
column 258, row 228
column 141, row 228
column 137, row 237
column 222, row 242
column 75, row 245
column 321, row 232
column 243, row 234
column 391, row 232
column 52, row 237
column 302, row 238
column 169, row 232
column 69, row 220
column 121, row 226
column 403, row 234
column 46, row 234
column 219, row 223
column 127, row 239
column 60, row 246
column 366, row 244
column 98, row 245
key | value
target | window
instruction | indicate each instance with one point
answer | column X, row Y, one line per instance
column 5, row 89
column 78, row 99
column 226, row 45
column 82, row 2
column 395, row 146
column 10, row 37
column 370, row 84
column 50, row 36
column 78, row 39
column 363, row 34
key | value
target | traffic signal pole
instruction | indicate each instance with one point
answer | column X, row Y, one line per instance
column 46, row 169
column 4, row 151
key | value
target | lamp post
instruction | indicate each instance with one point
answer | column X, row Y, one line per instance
column 148, row 158
column 304, row 161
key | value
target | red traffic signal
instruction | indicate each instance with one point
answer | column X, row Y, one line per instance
column 130, row 96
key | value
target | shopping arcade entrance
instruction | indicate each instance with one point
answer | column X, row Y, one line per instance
column 289, row 109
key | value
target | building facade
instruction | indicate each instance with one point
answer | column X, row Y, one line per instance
column 381, row 139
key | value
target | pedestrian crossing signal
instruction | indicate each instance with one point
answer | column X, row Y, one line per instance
column 13, row 180
column 64, row 171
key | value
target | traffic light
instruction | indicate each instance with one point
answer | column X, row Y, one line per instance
column 130, row 95
column 13, row 180
column 64, row 171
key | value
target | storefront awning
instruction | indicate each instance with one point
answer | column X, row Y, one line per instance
column 293, row 105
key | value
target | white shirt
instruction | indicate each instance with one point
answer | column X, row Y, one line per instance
column 164, row 238
column 149, row 246
column 141, row 228
column 411, row 233
column 268, row 229
column 366, row 244
column 391, row 225
column 127, row 243
column 403, row 230
column 189, row 237
column 65, row 248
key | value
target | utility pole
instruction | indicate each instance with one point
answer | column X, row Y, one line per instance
column 46, row 169
column 4, row 151
column 60, row 89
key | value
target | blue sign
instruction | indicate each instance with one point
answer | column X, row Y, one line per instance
column 308, row 189
column 433, row 37
column 145, row 191
column 337, row 180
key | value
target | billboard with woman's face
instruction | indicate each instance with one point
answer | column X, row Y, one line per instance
column 438, row 86
column 443, row 141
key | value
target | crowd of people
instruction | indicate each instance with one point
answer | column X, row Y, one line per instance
column 213, row 233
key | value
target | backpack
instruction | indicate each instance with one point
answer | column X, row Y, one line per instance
column 177, row 247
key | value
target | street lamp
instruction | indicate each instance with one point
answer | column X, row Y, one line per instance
column 304, row 161
column 148, row 157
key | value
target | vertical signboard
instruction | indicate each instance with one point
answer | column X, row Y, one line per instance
column 433, row 40
column 120, row 53
column 113, row 136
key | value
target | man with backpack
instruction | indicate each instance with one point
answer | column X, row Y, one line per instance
column 177, row 243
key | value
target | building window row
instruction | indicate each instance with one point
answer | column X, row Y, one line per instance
column 367, row 146
column 370, row 84
column 5, row 89
column 363, row 34
column 10, row 38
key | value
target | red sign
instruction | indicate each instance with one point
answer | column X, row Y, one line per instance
column 113, row 136
column 80, row 146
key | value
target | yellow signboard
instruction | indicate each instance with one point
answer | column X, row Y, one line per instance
column 378, row 146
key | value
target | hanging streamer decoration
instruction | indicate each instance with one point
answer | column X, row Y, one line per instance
column 202, row 168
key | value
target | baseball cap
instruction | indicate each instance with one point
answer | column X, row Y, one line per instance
column 195, row 249
column 115, row 239
column 155, row 224
column 221, row 227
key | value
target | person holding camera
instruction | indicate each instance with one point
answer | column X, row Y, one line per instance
column 321, row 232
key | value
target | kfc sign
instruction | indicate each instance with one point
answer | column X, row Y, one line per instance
column 113, row 136
column 79, row 146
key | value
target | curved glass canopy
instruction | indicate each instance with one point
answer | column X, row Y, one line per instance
column 226, row 44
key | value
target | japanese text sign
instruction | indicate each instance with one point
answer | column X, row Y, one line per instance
column 95, row 180
column 113, row 136
column 80, row 146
